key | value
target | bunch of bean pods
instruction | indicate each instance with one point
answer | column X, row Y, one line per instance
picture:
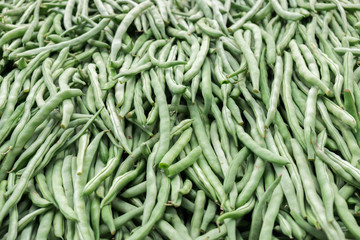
column 177, row 119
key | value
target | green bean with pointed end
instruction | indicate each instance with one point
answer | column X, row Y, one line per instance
column 184, row 163
column 239, row 23
column 164, row 117
column 125, row 23
column 156, row 62
column 55, row 47
column 200, row 59
column 59, row 193
column 175, row 150
column 257, row 213
column 250, row 59
column 275, row 91
column 120, row 182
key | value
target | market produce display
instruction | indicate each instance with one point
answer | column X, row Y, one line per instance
column 176, row 119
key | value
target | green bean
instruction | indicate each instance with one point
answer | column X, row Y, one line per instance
column 152, row 49
column 303, row 70
column 59, row 193
column 150, row 186
column 207, row 30
column 24, row 221
column 153, row 26
column 289, row 104
column 276, row 86
column 67, row 104
column 340, row 113
column 310, row 192
column 82, row 148
column 13, row 215
column 34, row 23
column 198, row 214
column 135, row 190
column 17, row 84
column 324, row 182
column 270, row 47
column 239, row 23
column 25, row 177
column 184, row 163
column 191, row 40
column 255, row 148
column 95, row 215
column 309, row 121
column 271, row 213
column 201, row 136
column 345, row 215
column 295, row 228
column 333, row 131
column 199, row 61
column 26, row 233
column 233, row 168
column 293, row 16
column 215, row 233
column 45, row 225
column 224, row 143
column 118, row 129
column 157, row 212
column 44, row 189
column 250, row 59
column 175, row 150
column 204, row 8
column 119, row 183
column 83, row 225
column 288, row 35
column 285, row 226
column 239, row 212
column 5, row 87
column 103, row 23
column 257, row 214
column 102, row 175
column 36, row 198
column 3, row 185
column 125, row 23
column 258, row 111
column 58, row 225
column 123, row 219
column 106, row 216
column 164, row 117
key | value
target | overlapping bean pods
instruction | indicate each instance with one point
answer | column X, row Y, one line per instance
column 159, row 119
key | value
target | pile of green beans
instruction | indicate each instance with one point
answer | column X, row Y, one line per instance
column 179, row 119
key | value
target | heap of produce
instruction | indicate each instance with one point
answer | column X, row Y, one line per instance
column 176, row 119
